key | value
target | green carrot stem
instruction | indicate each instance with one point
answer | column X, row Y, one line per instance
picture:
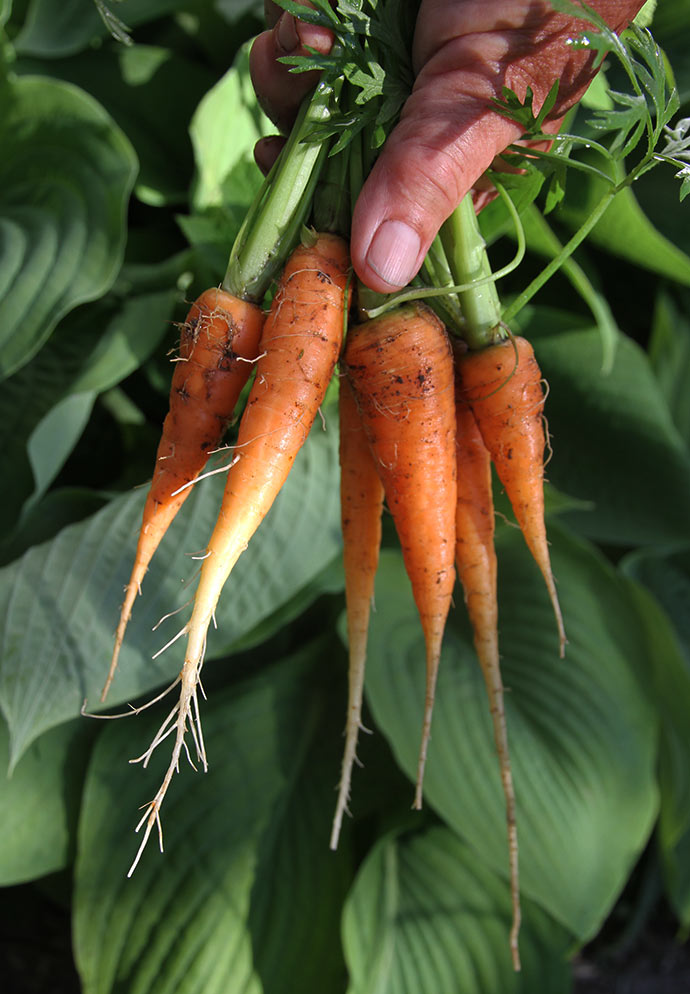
column 466, row 253
column 367, row 299
column 273, row 223
column 437, row 273
column 332, row 196
column 556, row 263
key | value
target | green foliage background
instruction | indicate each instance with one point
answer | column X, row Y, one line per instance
column 124, row 176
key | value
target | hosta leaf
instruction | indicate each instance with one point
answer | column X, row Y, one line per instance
column 658, row 193
column 669, row 355
column 542, row 240
column 45, row 518
column 39, row 802
column 70, row 26
column 227, row 123
column 582, row 733
column 671, row 28
column 151, row 94
column 666, row 573
column 624, row 230
column 425, row 916
column 612, row 438
column 247, row 896
column 56, row 435
column 65, row 177
column 91, row 350
column 60, row 601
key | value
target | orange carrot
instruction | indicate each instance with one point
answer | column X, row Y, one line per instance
column 475, row 559
column 299, row 349
column 218, row 345
column 503, row 386
column 401, row 369
column 361, row 502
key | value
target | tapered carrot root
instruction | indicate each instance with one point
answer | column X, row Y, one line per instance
column 218, row 345
column 401, row 370
column 503, row 386
column 475, row 559
column 361, row 501
column 300, row 346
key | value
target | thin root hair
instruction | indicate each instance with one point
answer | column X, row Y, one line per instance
column 132, row 710
column 171, row 614
column 203, row 476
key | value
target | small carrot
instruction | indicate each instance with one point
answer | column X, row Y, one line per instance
column 401, row 369
column 475, row 559
column 300, row 346
column 503, row 386
column 218, row 345
column 361, row 502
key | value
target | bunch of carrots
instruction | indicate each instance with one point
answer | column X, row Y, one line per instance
column 426, row 407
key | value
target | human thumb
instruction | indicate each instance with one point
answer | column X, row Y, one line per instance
column 429, row 162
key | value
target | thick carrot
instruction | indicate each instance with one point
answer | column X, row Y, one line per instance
column 361, row 502
column 503, row 386
column 300, row 346
column 475, row 559
column 401, row 369
column 218, row 345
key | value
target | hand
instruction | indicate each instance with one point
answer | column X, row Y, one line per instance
column 464, row 52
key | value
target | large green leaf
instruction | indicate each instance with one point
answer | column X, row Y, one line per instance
column 247, row 895
column 65, row 177
column 227, row 123
column 92, row 349
column 671, row 28
column 669, row 355
column 582, row 733
column 614, row 443
column 425, row 916
column 60, row 601
column 39, row 802
column 151, row 93
column 58, row 29
column 542, row 240
column 667, row 574
column 624, row 230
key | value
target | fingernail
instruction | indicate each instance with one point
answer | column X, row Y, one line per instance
column 393, row 253
column 288, row 39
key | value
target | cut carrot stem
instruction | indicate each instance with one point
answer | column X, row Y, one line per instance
column 219, row 343
column 300, row 346
column 475, row 559
column 401, row 369
column 465, row 250
column 361, row 502
column 503, row 386
column 272, row 225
